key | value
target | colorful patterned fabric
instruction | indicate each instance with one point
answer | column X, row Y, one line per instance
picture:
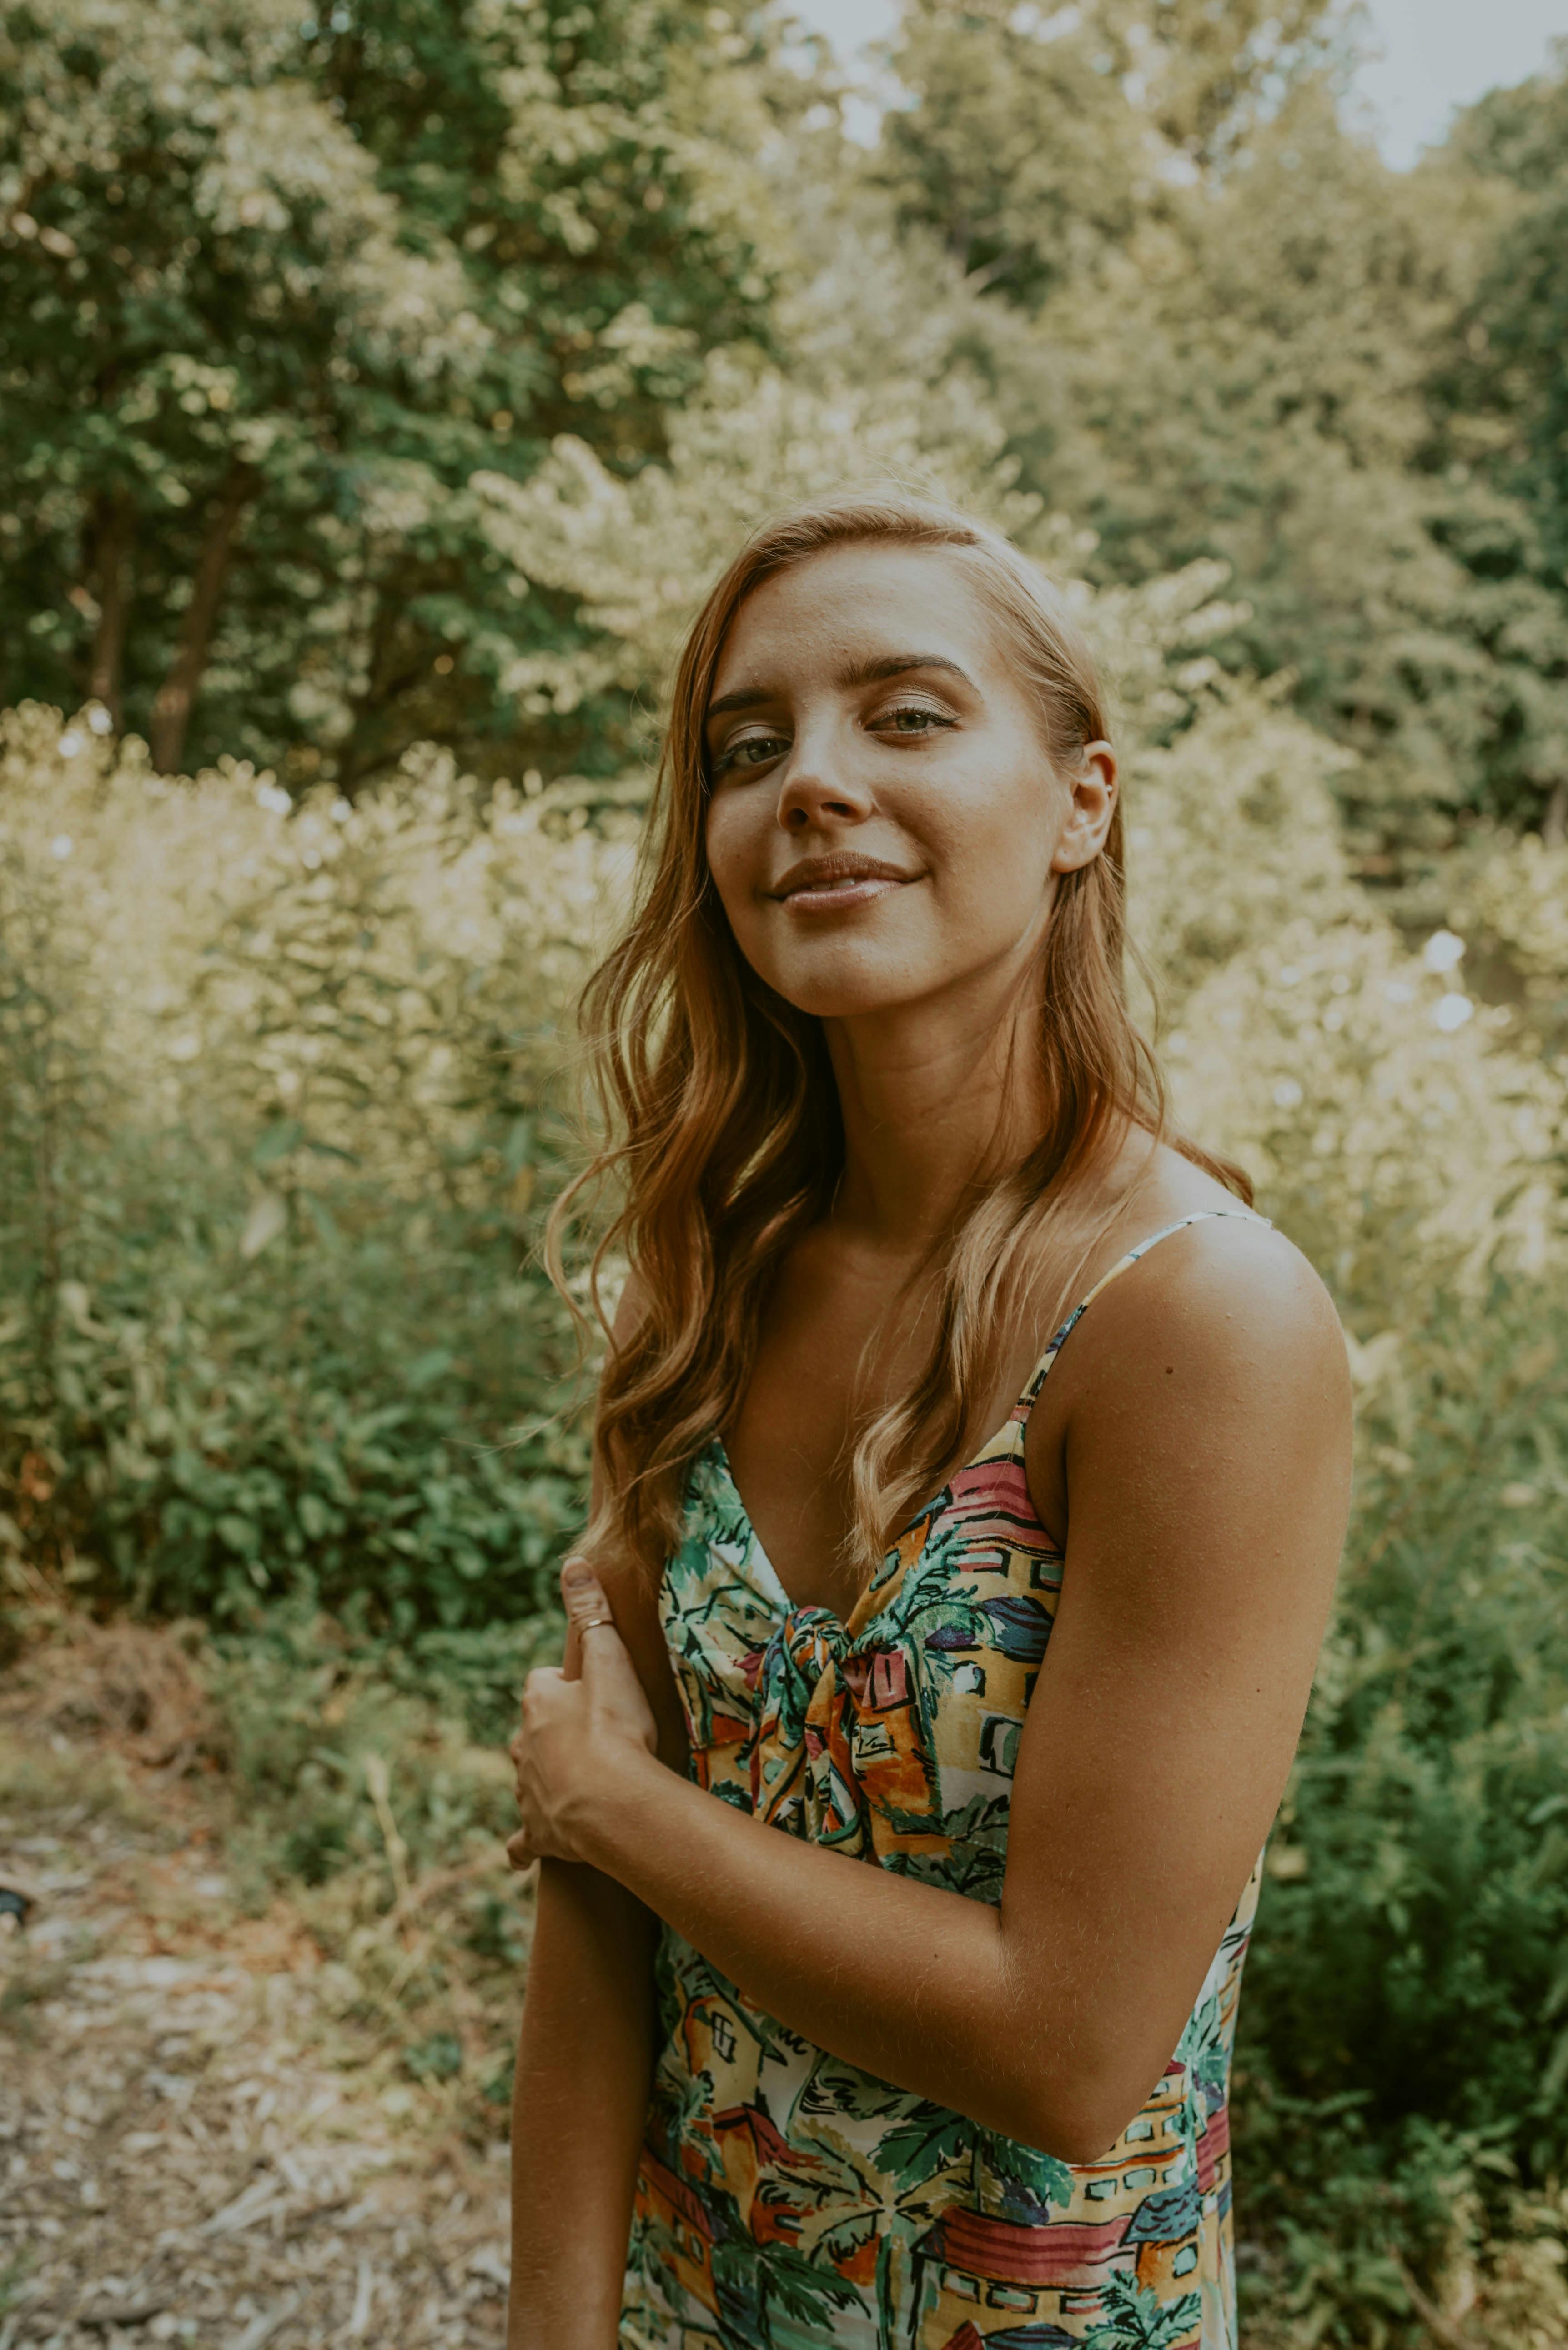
column 787, row 2200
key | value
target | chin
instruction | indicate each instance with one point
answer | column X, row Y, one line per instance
column 845, row 986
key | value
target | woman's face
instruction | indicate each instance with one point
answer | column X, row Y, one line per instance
column 885, row 823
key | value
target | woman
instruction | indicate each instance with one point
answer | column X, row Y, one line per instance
column 880, row 1118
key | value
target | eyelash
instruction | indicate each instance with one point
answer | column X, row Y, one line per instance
column 731, row 759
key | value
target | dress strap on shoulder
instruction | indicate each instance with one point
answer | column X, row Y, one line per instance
column 1199, row 1216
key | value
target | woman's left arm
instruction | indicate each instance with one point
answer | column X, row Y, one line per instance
column 1206, row 1453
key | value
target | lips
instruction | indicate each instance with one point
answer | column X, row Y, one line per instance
column 826, row 883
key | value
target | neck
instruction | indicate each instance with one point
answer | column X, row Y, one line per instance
column 932, row 1099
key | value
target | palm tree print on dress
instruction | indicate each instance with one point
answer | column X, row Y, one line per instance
column 787, row 2200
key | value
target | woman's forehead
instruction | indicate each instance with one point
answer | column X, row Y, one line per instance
column 861, row 601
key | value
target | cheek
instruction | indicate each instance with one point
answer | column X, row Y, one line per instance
column 991, row 854
column 717, row 841
column 734, row 842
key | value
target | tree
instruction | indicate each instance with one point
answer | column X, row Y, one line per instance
column 1499, row 396
column 1208, row 318
column 273, row 287
column 1039, row 134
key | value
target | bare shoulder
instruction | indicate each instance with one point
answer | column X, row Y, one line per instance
column 1219, row 1304
column 1231, row 1280
column 1218, row 1352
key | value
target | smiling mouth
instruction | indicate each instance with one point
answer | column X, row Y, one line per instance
column 822, row 883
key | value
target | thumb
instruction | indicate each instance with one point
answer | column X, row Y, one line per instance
column 584, row 1596
column 602, row 1658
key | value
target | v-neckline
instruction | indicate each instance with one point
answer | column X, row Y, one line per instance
column 756, row 1555
column 757, row 1551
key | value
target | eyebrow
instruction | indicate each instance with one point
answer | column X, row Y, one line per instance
column 873, row 672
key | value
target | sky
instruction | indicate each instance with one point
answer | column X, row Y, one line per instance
column 1437, row 54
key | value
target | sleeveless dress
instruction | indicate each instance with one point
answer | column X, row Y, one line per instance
column 787, row 2200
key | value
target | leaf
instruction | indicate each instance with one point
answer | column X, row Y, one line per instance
column 518, row 1150
column 322, row 1220
column 282, row 1137
column 314, row 1515
column 268, row 1217
column 1371, row 1362
column 439, row 2058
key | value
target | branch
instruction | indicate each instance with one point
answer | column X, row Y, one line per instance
column 1443, row 2330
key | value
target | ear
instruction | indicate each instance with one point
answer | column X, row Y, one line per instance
column 1093, row 785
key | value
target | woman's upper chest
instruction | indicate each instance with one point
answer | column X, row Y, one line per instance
column 827, row 1360
column 834, row 1350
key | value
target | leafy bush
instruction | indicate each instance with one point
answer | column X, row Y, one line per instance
column 1404, row 2031
column 281, row 1113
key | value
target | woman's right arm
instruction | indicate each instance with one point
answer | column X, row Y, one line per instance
column 578, row 2106
column 585, row 2058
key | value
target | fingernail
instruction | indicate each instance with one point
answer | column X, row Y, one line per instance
column 576, row 1575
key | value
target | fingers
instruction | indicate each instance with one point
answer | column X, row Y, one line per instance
column 520, row 1853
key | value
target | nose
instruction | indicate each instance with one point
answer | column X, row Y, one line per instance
column 819, row 788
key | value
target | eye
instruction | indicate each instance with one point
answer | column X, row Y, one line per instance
column 911, row 718
column 750, row 751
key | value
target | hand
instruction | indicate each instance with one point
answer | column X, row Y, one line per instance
column 578, row 1736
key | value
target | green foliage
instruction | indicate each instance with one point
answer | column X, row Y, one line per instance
column 276, row 1140
column 1215, row 325
column 439, row 2058
column 1506, row 387
column 274, row 286
column 294, row 1433
column 355, row 1754
column 1122, row 84
column 1404, row 2031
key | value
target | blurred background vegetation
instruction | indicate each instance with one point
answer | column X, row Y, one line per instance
column 381, row 387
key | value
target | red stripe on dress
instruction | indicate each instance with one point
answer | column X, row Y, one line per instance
column 1002, row 2253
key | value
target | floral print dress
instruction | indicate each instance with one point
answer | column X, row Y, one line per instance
column 787, row 2200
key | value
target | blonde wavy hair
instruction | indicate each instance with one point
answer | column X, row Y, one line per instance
column 721, row 1134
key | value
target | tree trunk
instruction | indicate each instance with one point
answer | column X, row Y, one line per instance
column 177, row 694
column 114, row 528
column 1554, row 823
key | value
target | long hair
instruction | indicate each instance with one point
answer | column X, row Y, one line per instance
column 721, row 1137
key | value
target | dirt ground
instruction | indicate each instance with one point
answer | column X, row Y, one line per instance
column 236, row 2110
column 201, row 2139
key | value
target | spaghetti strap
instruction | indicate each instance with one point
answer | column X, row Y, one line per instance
column 1199, row 1216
